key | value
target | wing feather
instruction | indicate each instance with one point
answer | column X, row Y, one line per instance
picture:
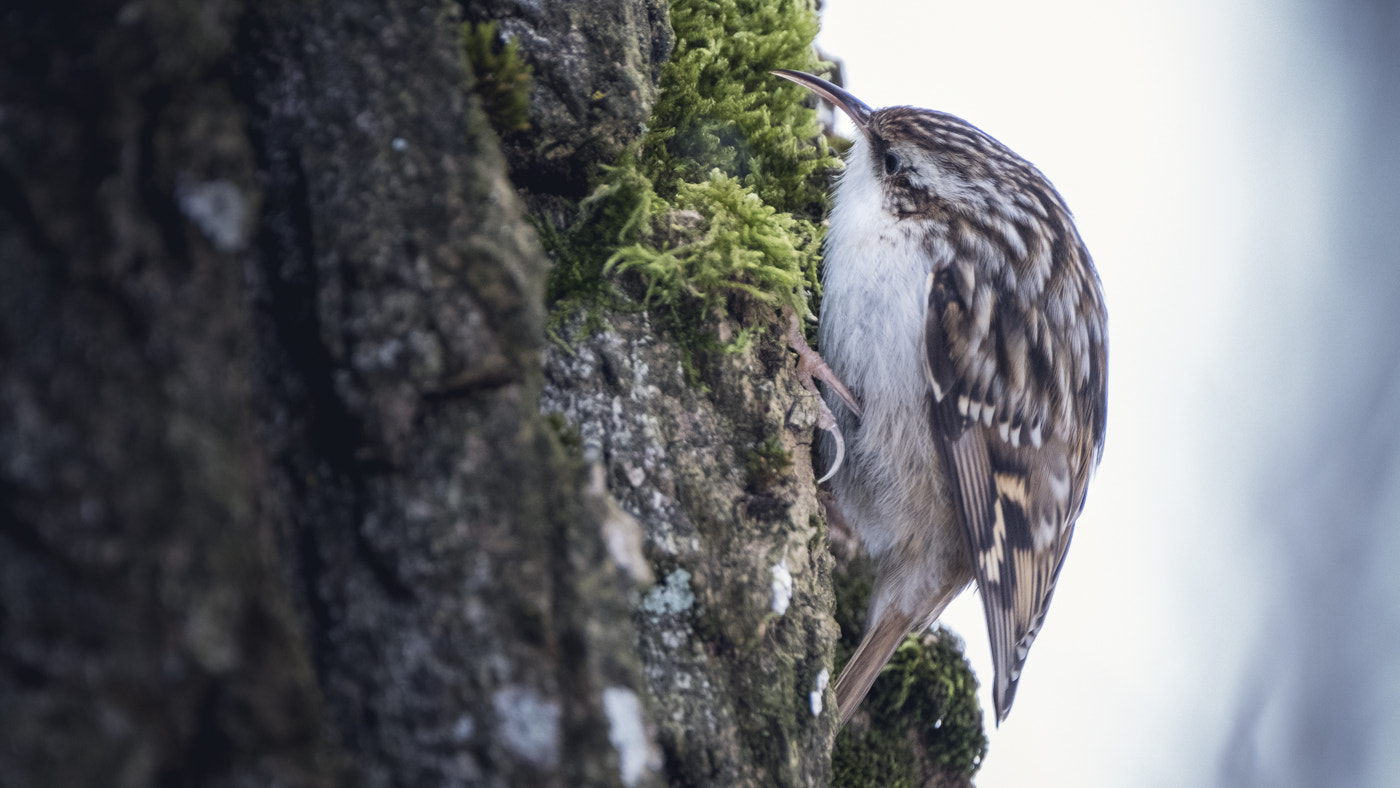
column 1018, row 439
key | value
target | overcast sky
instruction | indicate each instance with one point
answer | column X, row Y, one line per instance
column 1229, row 614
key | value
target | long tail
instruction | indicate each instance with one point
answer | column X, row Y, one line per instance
column 875, row 650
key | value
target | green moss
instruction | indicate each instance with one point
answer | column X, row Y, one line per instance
column 502, row 77
column 618, row 213
column 922, row 715
column 746, row 247
column 567, row 435
column 720, row 108
column 767, row 464
column 923, row 718
column 936, row 686
column 852, row 585
column 723, row 195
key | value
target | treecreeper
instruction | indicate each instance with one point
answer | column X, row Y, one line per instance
column 963, row 314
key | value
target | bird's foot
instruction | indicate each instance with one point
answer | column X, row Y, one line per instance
column 811, row 367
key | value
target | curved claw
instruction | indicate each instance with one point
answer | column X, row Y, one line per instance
column 809, row 366
column 827, row 421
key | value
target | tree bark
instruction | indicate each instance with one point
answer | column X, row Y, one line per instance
column 146, row 635
column 278, row 503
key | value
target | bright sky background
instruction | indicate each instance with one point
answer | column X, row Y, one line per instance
column 1192, row 142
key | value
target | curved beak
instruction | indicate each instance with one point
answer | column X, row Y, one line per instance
column 856, row 109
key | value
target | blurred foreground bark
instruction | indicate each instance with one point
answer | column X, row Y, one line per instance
column 276, row 503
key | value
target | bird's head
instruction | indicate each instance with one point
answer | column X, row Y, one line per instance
column 928, row 163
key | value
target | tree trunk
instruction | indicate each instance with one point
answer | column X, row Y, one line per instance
column 278, row 503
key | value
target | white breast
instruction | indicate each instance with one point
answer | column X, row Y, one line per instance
column 875, row 291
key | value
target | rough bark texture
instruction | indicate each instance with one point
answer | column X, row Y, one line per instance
column 145, row 633
column 466, row 626
column 278, row 505
column 596, row 68
column 738, row 629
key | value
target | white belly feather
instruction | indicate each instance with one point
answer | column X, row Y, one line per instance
column 892, row 488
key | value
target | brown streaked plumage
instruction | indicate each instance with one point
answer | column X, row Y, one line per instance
column 963, row 312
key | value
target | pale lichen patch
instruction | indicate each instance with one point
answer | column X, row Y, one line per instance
column 674, row 596
column 528, row 724
column 782, row 587
column 816, row 698
column 218, row 209
column 627, row 734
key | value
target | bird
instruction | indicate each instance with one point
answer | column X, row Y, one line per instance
column 964, row 315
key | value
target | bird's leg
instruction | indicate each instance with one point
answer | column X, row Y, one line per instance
column 811, row 365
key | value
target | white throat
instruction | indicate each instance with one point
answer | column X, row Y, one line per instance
column 874, row 288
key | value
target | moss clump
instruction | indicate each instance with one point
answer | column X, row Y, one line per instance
column 568, row 436
column 720, row 108
column 767, row 464
column 924, row 720
column 502, row 77
column 922, row 716
column 723, row 194
column 618, row 213
column 746, row 246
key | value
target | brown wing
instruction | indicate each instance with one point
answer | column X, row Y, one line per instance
column 1018, row 410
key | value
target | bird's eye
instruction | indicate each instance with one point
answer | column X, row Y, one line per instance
column 891, row 163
